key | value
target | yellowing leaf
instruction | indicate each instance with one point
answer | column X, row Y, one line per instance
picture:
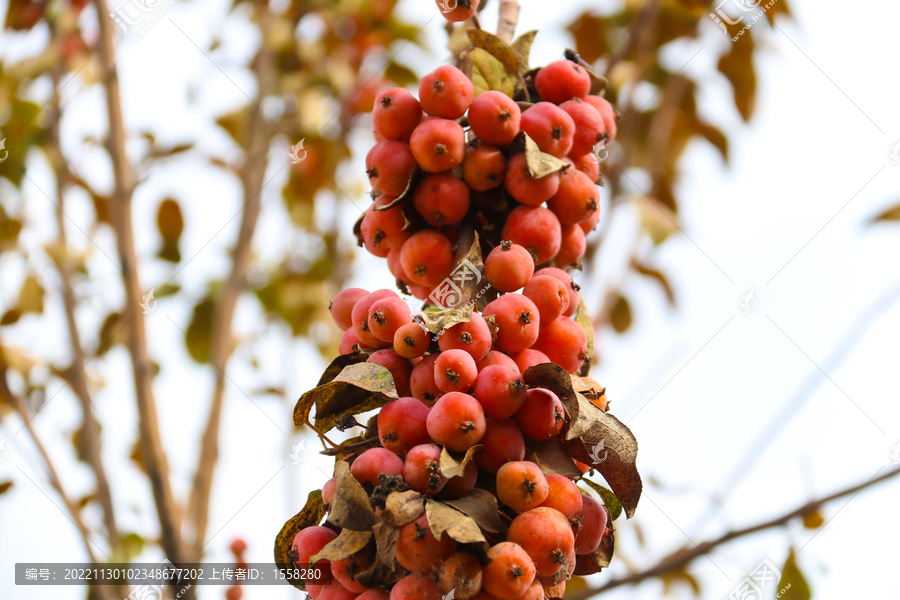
column 891, row 214
column 737, row 66
column 311, row 514
column 487, row 73
column 620, row 314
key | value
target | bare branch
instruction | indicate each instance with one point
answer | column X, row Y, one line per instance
column 90, row 436
column 18, row 404
column 509, row 17
column 252, row 175
column 680, row 559
column 152, row 452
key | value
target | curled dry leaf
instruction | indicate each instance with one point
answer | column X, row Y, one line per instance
column 552, row 457
column 540, row 164
column 522, row 48
column 454, row 464
column 410, row 186
column 357, row 388
column 481, row 506
column 401, row 508
column 386, row 537
column 351, row 508
column 305, row 403
column 590, row 431
column 380, row 574
column 583, row 318
column 312, row 514
column 346, row 544
column 459, row 292
column 446, row 519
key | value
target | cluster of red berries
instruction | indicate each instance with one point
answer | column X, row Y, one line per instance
column 445, row 172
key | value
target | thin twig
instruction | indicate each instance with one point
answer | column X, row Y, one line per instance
column 680, row 559
column 90, row 430
column 509, row 17
column 252, row 175
column 152, row 452
column 18, row 404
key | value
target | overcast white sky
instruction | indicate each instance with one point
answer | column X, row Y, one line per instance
column 805, row 383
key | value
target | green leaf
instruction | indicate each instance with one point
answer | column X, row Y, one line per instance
column 793, row 585
column 487, row 73
column 608, row 497
column 312, row 514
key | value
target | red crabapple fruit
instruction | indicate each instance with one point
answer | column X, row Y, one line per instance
column 549, row 295
column 411, row 340
column 427, row 257
column 336, row 591
column 564, row 342
column 572, row 288
column 457, row 421
column 401, row 425
column 494, row 118
column 328, row 491
column 528, row 358
column 518, row 320
column 415, row 587
column 510, row 572
column 573, row 246
column 500, row 390
column 382, row 230
column 346, row 569
column 421, row 381
column 503, row 443
column 587, row 164
column 389, row 165
column 521, row 485
column 374, row 462
column 438, row 144
column 561, row 80
column 564, row 495
column 455, row 371
column 508, row 267
column 386, row 316
column 592, row 526
column 483, row 167
column 542, row 415
column 607, row 112
column 395, row 114
column 441, row 199
column 419, row 551
column 342, row 306
column 348, row 340
column 525, row 188
column 576, row 200
column 551, row 128
column 589, row 126
column 446, row 92
column 495, row 357
column 546, row 536
column 374, row 595
column 460, row 574
column 422, row 469
column 536, row 229
column 473, row 336
column 360, row 316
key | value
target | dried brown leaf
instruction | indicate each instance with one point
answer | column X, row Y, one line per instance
column 386, row 538
column 454, row 464
column 481, row 506
column 351, row 508
column 459, row 292
column 346, row 544
column 540, row 164
column 357, row 388
column 402, row 507
column 311, row 514
column 583, row 318
column 552, row 457
column 594, row 437
column 445, row 519
column 305, row 403
column 522, row 49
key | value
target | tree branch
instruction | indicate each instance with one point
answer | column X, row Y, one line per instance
column 251, row 174
column 18, row 404
column 90, row 432
column 680, row 559
column 509, row 17
column 152, row 452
